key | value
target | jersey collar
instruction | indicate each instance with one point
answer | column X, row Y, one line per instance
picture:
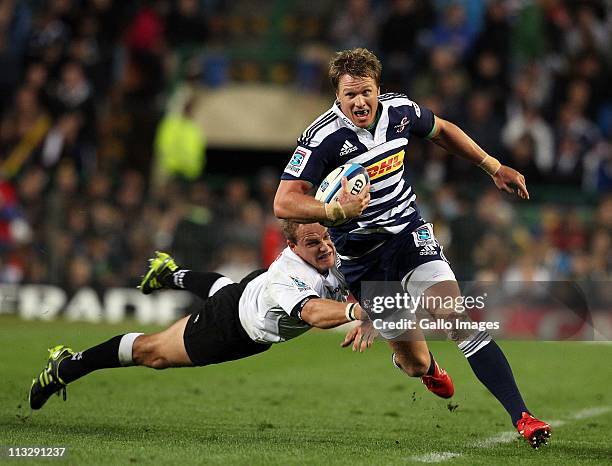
column 381, row 125
column 381, row 122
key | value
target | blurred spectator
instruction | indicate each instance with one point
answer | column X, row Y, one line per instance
column 22, row 131
column 15, row 19
column 453, row 30
column 193, row 230
column 186, row 25
column 235, row 195
column 528, row 34
column 13, row 227
column 530, row 122
column 482, row 123
column 180, row 147
column 523, row 159
column 355, row 25
column 494, row 38
column 488, row 75
column 399, row 44
column 588, row 33
column 576, row 136
column 237, row 261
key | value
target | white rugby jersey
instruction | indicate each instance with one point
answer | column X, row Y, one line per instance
column 270, row 305
column 333, row 140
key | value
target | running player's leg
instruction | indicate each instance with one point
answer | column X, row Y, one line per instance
column 411, row 355
column 485, row 357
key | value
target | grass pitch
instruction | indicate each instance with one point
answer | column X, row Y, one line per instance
column 303, row 402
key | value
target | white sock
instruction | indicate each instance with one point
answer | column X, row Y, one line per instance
column 125, row 348
column 219, row 283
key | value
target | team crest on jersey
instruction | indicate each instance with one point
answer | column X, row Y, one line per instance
column 400, row 128
column 298, row 161
column 385, row 166
column 300, row 285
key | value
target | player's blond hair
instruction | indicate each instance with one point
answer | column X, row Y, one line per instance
column 289, row 230
column 358, row 63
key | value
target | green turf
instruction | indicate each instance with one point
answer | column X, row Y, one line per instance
column 303, row 402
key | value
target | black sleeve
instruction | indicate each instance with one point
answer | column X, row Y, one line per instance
column 297, row 309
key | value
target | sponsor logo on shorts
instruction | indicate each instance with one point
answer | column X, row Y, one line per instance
column 428, row 250
column 298, row 161
column 385, row 166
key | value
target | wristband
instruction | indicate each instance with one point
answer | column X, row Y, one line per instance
column 334, row 211
column 490, row 164
column 348, row 312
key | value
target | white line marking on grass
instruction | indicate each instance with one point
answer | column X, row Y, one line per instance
column 590, row 412
column 509, row 436
column 502, row 437
column 435, row 457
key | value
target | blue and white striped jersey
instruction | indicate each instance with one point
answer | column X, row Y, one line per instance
column 332, row 140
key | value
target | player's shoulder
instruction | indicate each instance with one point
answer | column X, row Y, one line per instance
column 394, row 99
column 321, row 128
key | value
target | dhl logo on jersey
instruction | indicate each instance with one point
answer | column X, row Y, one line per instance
column 385, row 166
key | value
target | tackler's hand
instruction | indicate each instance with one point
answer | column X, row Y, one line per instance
column 362, row 336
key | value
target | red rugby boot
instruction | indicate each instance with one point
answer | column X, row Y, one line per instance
column 439, row 383
column 533, row 430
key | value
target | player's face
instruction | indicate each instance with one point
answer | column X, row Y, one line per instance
column 358, row 98
column 315, row 246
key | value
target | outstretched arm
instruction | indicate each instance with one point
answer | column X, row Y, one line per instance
column 326, row 313
column 452, row 138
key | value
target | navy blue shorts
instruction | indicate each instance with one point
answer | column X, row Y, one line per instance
column 393, row 259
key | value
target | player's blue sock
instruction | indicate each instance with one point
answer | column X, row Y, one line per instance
column 493, row 370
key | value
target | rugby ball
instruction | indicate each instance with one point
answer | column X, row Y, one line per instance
column 331, row 187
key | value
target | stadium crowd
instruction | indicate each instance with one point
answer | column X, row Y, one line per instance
column 84, row 84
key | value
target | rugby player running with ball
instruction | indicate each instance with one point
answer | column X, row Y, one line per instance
column 384, row 237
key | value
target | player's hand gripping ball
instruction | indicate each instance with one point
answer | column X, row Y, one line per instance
column 330, row 188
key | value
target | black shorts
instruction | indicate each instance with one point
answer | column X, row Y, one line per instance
column 215, row 334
